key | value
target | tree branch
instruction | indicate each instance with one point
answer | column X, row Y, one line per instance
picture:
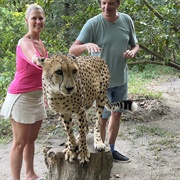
column 174, row 65
column 146, row 62
column 156, row 13
column 169, row 64
column 160, row 57
column 151, row 52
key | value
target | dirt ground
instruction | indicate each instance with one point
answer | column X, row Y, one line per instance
column 150, row 137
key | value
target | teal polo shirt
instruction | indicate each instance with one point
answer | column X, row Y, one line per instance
column 114, row 39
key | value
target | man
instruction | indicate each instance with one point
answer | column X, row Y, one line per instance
column 111, row 35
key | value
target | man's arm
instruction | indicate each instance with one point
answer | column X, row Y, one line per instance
column 78, row 48
column 131, row 53
column 135, row 49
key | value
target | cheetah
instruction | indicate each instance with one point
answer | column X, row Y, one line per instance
column 71, row 86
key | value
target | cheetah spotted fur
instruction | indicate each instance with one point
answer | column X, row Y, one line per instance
column 71, row 85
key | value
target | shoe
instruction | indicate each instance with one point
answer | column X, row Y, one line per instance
column 118, row 157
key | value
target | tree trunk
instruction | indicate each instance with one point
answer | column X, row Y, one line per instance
column 98, row 168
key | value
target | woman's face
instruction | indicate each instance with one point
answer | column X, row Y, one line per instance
column 35, row 20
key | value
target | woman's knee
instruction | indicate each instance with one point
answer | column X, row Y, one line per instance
column 20, row 144
column 35, row 130
column 31, row 139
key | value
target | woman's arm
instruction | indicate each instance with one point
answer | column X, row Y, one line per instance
column 29, row 51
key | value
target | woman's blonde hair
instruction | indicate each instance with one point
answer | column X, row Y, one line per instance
column 33, row 7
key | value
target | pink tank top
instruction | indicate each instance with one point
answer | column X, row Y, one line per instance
column 28, row 76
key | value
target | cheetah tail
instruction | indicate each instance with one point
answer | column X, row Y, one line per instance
column 120, row 105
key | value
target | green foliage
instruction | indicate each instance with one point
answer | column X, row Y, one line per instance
column 11, row 29
column 79, row 15
column 157, row 30
column 5, row 130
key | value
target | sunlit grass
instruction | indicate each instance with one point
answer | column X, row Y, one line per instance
column 139, row 80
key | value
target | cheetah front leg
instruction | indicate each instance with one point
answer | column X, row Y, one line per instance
column 83, row 153
column 71, row 146
column 98, row 144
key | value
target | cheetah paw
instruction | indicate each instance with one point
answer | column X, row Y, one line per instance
column 83, row 157
column 70, row 155
column 100, row 146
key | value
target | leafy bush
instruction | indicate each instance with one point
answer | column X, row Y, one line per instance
column 156, row 24
column 5, row 130
column 11, row 29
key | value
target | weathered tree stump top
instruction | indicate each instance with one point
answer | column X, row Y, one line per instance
column 98, row 168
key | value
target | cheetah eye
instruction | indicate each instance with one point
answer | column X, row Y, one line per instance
column 74, row 71
column 59, row 72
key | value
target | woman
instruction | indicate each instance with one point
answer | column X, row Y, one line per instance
column 24, row 103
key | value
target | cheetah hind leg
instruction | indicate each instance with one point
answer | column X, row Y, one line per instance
column 98, row 144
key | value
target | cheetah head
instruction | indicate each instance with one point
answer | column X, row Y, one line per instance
column 60, row 74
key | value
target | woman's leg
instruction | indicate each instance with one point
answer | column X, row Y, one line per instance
column 20, row 136
column 29, row 151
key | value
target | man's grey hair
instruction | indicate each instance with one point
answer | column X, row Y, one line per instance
column 99, row 1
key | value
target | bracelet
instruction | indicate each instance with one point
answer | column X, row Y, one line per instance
column 32, row 60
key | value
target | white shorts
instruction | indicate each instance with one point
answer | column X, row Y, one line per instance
column 24, row 108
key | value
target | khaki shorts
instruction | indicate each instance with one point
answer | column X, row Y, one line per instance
column 24, row 108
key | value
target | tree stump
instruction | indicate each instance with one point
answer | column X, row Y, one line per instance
column 98, row 168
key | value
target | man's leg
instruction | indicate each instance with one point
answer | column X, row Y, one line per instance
column 113, row 128
column 114, row 95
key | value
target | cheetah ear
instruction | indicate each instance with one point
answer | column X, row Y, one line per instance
column 41, row 60
column 72, row 56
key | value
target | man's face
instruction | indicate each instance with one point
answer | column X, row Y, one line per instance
column 109, row 7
